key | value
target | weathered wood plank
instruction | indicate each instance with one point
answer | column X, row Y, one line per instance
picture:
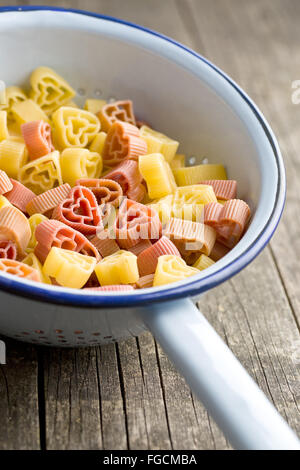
column 72, row 410
column 19, row 404
column 113, row 419
column 145, row 411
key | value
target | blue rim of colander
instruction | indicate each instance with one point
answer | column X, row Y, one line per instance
column 193, row 287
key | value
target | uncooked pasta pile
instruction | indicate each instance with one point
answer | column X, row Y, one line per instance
column 96, row 199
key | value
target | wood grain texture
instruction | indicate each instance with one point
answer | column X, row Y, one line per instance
column 146, row 416
column 129, row 395
column 113, row 418
column 72, row 411
column 19, row 403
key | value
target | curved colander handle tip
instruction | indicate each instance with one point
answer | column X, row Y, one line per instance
column 227, row 391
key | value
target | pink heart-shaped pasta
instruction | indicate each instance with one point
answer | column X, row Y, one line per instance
column 130, row 179
column 8, row 249
column 37, row 137
column 80, row 211
column 136, row 222
column 229, row 220
column 52, row 233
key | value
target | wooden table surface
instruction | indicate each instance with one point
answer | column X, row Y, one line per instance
column 128, row 395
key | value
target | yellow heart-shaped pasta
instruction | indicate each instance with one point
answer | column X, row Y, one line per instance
column 157, row 174
column 118, row 268
column 42, row 174
column 171, row 268
column 13, row 94
column 159, row 143
column 49, row 90
column 69, row 268
column 79, row 163
column 74, row 127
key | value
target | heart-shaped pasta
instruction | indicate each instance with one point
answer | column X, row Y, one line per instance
column 34, row 221
column 80, row 211
column 19, row 195
column 148, row 259
column 191, row 238
column 69, row 268
column 229, row 220
column 172, row 268
column 45, row 203
column 194, row 174
column 117, row 111
column 37, row 137
column 223, row 189
column 8, row 249
column 122, row 142
column 128, row 176
column 157, row 174
column 187, row 202
column 51, row 233
column 159, row 143
column 14, row 226
column 79, row 163
column 49, row 90
column 28, row 111
column 136, row 222
column 104, row 243
column 14, row 94
column 13, row 155
column 195, row 194
column 119, row 268
column 19, row 269
column 5, row 183
column 105, row 190
column 74, row 127
column 42, row 174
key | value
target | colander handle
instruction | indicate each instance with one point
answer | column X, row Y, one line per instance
column 229, row 394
